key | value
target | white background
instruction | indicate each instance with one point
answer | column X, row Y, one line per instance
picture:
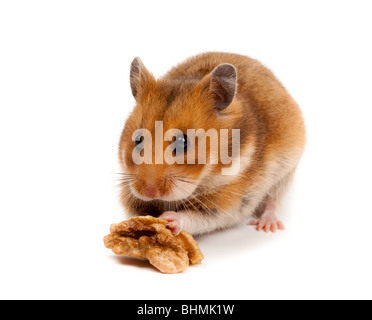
column 64, row 97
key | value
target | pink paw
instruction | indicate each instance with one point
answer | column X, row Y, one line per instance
column 173, row 221
column 267, row 224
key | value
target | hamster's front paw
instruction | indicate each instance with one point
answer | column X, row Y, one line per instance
column 173, row 219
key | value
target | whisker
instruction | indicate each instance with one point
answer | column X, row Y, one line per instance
column 217, row 206
column 215, row 187
column 195, row 198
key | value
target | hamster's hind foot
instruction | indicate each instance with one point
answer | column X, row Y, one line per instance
column 269, row 220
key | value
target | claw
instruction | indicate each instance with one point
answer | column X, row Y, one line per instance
column 173, row 221
column 268, row 222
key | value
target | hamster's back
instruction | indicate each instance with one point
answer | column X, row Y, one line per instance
column 277, row 116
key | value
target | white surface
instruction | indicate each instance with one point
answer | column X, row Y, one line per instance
column 64, row 96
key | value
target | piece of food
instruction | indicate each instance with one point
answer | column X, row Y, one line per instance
column 148, row 237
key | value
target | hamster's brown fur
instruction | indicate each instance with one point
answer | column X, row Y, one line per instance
column 272, row 136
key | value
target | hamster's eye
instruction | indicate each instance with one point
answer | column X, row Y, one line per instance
column 138, row 139
column 181, row 144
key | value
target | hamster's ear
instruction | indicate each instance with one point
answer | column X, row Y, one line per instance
column 222, row 85
column 139, row 77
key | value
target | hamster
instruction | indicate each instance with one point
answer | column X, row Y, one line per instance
column 211, row 91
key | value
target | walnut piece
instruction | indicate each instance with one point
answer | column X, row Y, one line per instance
column 148, row 237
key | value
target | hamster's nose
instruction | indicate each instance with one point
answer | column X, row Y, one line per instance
column 150, row 191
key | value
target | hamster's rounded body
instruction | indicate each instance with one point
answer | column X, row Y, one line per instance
column 214, row 91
